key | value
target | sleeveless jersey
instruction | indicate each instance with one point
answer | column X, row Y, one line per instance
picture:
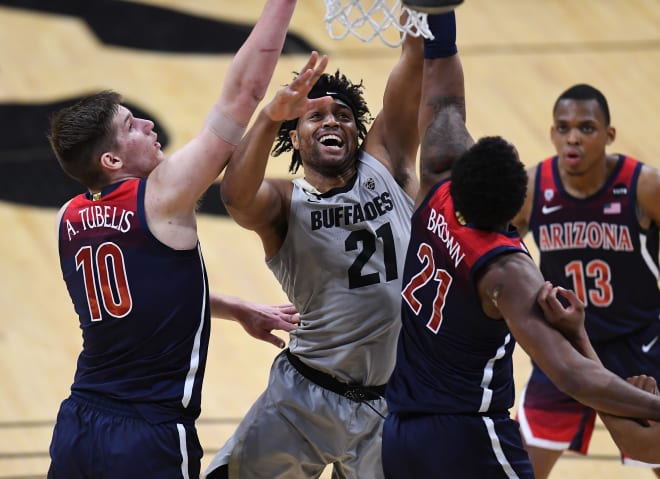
column 340, row 265
column 143, row 306
column 596, row 247
column 451, row 358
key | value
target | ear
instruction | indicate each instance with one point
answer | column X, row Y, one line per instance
column 110, row 162
column 293, row 134
column 611, row 134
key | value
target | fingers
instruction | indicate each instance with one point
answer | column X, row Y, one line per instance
column 647, row 383
column 288, row 314
column 308, row 77
column 313, row 58
column 274, row 340
column 546, row 298
column 571, row 297
column 286, row 325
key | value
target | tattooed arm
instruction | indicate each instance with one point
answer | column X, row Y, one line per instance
column 441, row 120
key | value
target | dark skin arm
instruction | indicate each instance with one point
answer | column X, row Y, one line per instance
column 508, row 288
column 442, row 120
column 637, row 439
column 393, row 137
column 255, row 202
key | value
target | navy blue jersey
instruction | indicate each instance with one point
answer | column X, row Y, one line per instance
column 596, row 247
column 143, row 306
column 451, row 358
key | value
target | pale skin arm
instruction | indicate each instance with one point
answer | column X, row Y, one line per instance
column 394, row 136
column 508, row 288
column 176, row 184
column 254, row 202
column 259, row 320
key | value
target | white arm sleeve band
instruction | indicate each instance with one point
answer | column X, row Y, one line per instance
column 224, row 127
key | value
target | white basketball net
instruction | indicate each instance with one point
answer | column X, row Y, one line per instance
column 351, row 17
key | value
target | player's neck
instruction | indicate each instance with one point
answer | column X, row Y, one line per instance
column 590, row 181
column 325, row 182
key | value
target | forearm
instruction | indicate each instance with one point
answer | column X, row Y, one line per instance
column 223, row 306
column 401, row 101
column 445, row 140
column 633, row 438
column 247, row 169
column 602, row 390
column 253, row 65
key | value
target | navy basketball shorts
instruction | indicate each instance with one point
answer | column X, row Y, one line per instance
column 443, row 445
column 105, row 439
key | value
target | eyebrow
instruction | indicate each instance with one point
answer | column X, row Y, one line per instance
column 127, row 119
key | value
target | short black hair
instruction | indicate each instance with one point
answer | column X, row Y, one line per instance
column 582, row 91
column 489, row 183
column 341, row 87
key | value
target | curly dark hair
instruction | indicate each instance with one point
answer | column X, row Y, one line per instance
column 351, row 93
column 489, row 183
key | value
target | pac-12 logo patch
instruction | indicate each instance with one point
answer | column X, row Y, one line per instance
column 549, row 194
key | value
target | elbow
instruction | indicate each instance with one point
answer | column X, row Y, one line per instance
column 228, row 196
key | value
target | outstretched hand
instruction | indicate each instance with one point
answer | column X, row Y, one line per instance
column 260, row 319
column 569, row 320
column 291, row 101
column 257, row 319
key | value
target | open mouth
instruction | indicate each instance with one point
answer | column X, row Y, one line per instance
column 331, row 141
column 572, row 157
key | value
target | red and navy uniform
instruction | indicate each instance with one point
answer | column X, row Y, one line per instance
column 596, row 247
column 144, row 313
column 452, row 385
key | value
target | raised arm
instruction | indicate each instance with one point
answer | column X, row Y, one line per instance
column 511, row 284
column 179, row 181
column 441, row 117
column 394, row 138
column 255, row 203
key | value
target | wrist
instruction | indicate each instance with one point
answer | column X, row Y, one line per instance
column 443, row 28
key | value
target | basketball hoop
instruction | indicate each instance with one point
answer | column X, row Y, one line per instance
column 350, row 17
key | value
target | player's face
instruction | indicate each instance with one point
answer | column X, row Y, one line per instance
column 137, row 144
column 580, row 135
column 327, row 138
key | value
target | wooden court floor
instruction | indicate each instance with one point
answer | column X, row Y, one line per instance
column 518, row 55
